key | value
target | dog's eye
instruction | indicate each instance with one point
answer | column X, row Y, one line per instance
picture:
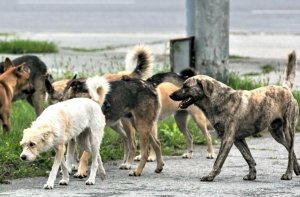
column 31, row 144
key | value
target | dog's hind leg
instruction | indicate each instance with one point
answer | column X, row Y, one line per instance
column 71, row 154
column 59, row 156
column 127, row 145
column 244, row 149
column 181, row 120
column 130, row 132
column 101, row 168
column 96, row 161
column 283, row 131
column 157, row 148
column 144, row 134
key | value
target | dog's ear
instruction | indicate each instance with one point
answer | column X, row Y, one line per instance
column 8, row 64
column 26, row 68
column 49, row 87
column 74, row 77
column 20, row 69
column 207, row 87
column 45, row 136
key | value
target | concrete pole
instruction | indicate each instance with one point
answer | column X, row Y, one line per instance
column 190, row 17
column 212, row 38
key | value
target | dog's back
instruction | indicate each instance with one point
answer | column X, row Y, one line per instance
column 71, row 116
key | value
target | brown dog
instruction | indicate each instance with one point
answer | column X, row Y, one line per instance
column 38, row 73
column 236, row 114
column 13, row 81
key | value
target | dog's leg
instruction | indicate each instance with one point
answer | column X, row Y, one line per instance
column 96, row 158
column 38, row 97
column 144, row 144
column 70, row 157
column 201, row 121
column 157, row 148
column 59, row 156
column 83, row 165
column 226, row 145
column 119, row 129
column 130, row 132
column 283, row 131
column 101, row 168
column 65, row 173
column 244, row 149
column 6, row 118
column 181, row 120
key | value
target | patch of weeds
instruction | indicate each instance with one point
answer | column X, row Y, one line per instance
column 267, row 68
column 251, row 74
column 19, row 46
column 232, row 56
column 88, row 50
column 244, row 83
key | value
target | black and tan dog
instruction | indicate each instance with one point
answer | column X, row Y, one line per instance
column 14, row 80
column 137, row 102
column 167, row 83
column 38, row 74
column 237, row 114
column 142, row 57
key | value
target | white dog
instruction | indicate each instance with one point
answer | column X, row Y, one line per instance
column 80, row 119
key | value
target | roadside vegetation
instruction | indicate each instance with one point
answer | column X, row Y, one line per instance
column 21, row 46
column 172, row 140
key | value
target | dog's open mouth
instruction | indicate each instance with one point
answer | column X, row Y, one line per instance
column 186, row 102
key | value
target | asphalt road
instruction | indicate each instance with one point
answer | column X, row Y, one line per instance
column 132, row 16
column 181, row 177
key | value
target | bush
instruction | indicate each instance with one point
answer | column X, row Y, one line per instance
column 19, row 46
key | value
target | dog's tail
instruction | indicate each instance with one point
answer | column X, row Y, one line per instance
column 98, row 87
column 290, row 71
column 142, row 58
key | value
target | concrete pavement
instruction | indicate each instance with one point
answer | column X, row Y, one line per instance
column 181, row 177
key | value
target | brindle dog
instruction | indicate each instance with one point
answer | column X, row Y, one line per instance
column 237, row 114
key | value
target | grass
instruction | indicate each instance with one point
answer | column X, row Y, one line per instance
column 232, row 56
column 20, row 46
column 88, row 50
column 267, row 68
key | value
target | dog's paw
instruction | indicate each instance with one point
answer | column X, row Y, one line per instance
column 286, row 177
column 125, row 166
column 48, row 186
column 249, row 177
column 80, row 175
column 137, row 158
column 151, row 158
column 187, row 155
column 158, row 170
column 102, row 176
column 63, row 182
column 134, row 173
column 90, row 182
column 207, row 178
column 210, row 156
column 74, row 167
